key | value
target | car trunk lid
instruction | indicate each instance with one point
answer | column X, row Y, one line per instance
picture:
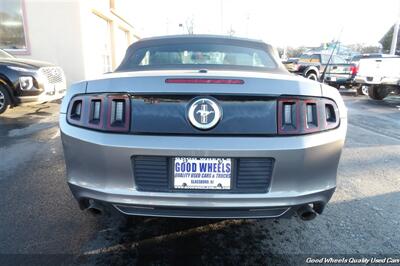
column 254, row 83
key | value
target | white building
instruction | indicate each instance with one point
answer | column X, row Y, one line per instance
column 85, row 37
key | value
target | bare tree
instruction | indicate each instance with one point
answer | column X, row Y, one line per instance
column 231, row 31
column 364, row 49
column 190, row 25
column 386, row 41
column 295, row 51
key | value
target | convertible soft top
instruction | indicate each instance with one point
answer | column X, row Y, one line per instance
column 201, row 52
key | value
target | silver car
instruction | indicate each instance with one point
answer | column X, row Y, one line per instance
column 203, row 127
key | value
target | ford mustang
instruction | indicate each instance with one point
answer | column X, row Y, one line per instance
column 203, row 126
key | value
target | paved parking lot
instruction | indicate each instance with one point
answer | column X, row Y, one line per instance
column 39, row 215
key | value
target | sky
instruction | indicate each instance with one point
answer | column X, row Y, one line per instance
column 281, row 23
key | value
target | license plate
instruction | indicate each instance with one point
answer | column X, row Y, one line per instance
column 202, row 173
column 333, row 78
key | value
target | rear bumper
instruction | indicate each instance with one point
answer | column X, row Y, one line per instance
column 99, row 167
column 201, row 205
column 388, row 81
column 340, row 81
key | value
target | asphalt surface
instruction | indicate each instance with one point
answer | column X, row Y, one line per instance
column 39, row 217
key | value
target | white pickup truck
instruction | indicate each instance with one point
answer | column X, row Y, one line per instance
column 381, row 75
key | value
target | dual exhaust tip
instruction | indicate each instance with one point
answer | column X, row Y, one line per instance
column 91, row 206
column 306, row 213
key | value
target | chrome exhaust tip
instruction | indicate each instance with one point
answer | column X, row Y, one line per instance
column 306, row 213
column 94, row 208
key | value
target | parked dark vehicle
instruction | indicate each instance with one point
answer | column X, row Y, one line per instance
column 311, row 66
column 28, row 81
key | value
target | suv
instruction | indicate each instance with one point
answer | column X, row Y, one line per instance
column 28, row 81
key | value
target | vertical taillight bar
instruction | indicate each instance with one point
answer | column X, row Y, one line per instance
column 331, row 114
column 76, row 112
column 288, row 116
column 96, row 112
column 311, row 116
column 119, row 113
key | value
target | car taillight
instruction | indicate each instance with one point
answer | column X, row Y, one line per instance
column 102, row 112
column 298, row 116
column 118, row 118
column 353, row 70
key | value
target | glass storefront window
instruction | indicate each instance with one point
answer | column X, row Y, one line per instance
column 12, row 28
column 100, row 45
column 121, row 43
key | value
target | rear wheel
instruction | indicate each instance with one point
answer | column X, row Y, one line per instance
column 4, row 99
column 312, row 75
column 377, row 92
column 362, row 90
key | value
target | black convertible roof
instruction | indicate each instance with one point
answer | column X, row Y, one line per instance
column 200, row 38
column 193, row 38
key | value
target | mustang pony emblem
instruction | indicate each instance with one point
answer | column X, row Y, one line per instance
column 204, row 113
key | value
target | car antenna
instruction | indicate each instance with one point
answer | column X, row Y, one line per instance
column 330, row 57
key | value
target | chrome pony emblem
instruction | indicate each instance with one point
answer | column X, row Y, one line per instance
column 204, row 113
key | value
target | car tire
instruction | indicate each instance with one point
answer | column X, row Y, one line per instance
column 4, row 99
column 312, row 76
column 377, row 92
column 362, row 90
